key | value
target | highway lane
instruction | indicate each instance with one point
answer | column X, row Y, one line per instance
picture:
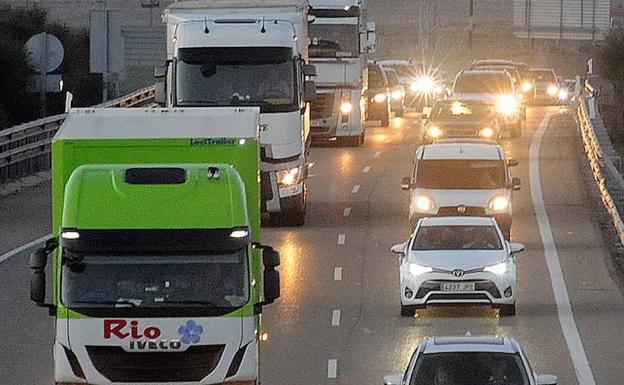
column 340, row 296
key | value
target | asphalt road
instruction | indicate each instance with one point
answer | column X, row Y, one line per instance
column 339, row 311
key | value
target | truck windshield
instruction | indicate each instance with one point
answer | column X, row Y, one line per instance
column 334, row 37
column 155, row 281
column 462, row 174
column 497, row 84
column 246, row 76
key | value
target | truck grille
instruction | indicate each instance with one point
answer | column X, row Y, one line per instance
column 323, row 106
column 118, row 365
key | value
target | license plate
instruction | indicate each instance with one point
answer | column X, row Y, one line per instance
column 457, row 286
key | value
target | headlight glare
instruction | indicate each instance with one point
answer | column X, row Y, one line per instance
column 416, row 269
column 563, row 95
column 526, row 86
column 507, row 105
column 424, row 203
column 425, row 84
column 486, row 132
column 379, row 98
column 346, row 107
column 498, row 269
column 289, row 177
column 434, row 131
column 499, row 203
column 397, row 94
column 552, row 90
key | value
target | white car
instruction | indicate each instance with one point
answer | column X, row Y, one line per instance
column 457, row 260
column 462, row 177
column 469, row 360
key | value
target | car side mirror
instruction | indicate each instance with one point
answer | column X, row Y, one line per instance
column 309, row 91
column 399, row 248
column 308, row 69
column 516, row 247
column 393, row 379
column 546, row 379
column 406, row 183
column 159, row 93
column 516, row 184
column 512, row 162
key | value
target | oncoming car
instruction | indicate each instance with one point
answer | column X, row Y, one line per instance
column 450, row 118
column 497, row 88
column 457, row 260
column 546, row 86
column 469, row 360
column 468, row 178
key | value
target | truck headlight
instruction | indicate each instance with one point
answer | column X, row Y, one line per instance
column 424, row 203
column 416, row 269
column 397, row 94
column 498, row 269
column 507, row 105
column 379, row 98
column 434, row 132
column 552, row 90
column 563, row 95
column 526, row 86
column 499, row 203
column 346, row 107
column 289, row 177
column 486, row 132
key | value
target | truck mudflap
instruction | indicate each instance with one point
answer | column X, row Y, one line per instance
column 193, row 350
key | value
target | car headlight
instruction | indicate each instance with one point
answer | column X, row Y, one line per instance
column 416, row 269
column 424, row 203
column 526, row 86
column 507, row 105
column 425, row 84
column 289, row 177
column 486, row 132
column 346, row 107
column 434, row 132
column 379, row 98
column 414, row 86
column 563, row 95
column 397, row 94
column 552, row 90
column 498, row 269
column 499, row 203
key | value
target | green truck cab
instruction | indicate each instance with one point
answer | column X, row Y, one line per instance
column 158, row 275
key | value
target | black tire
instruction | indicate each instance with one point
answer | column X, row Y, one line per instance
column 516, row 130
column 408, row 311
column 507, row 310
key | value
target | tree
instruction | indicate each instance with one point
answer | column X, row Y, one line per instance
column 610, row 65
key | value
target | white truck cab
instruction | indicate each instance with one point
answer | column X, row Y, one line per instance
column 462, row 177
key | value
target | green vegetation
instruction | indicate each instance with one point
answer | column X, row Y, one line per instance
column 17, row 104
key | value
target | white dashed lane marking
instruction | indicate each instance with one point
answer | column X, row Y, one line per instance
column 335, row 317
column 346, row 212
column 341, row 239
column 366, row 169
column 355, row 189
column 338, row 274
column 332, row 368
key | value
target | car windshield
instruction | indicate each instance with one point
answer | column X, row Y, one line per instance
column 218, row 280
column 543, row 76
column 213, row 77
column 393, row 79
column 461, row 110
column 334, row 37
column 460, row 174
column 457, row 238
column 469, row 368
column 496, row 83
column 404, row 70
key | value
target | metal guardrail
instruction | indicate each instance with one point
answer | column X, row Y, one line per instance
column 25, row 149
column 604, row 161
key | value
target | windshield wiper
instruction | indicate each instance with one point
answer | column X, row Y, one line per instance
column 194, row 302
column 119, row 302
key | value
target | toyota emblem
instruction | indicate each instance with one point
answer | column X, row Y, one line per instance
column 458, row 272
column 461, row 209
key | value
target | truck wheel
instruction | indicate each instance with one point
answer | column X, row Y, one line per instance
column 507, row 310
column 385, row 120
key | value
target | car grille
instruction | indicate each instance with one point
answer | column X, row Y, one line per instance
column 460, row 132
column 118, row 365
column 323, row 106
column 458, row 296
column 428, row 286
column 472, row 211
column 265, row 186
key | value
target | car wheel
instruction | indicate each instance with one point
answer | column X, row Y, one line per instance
column 507, row 310
column 408, row 311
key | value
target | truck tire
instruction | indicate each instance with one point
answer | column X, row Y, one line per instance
column 507, row 310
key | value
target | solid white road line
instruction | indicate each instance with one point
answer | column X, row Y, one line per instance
column 338, row 274
column 355, row 189
column 366, row 169
column 341, row 239
column 564, row 308
column 336, row 317
column 27, row 246
column 332, row 368
column 346, row 212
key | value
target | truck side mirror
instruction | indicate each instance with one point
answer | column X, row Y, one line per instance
column 512, row 162
column 38, row 259
column 271, row 285
column 309, row 91
column 406, row 183
column 270, row 257
column 308, row 69
column 159, row 93
column 516, row 184
column 38, row 287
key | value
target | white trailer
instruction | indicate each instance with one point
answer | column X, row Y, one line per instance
column 250, row 53
column 341, row 39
